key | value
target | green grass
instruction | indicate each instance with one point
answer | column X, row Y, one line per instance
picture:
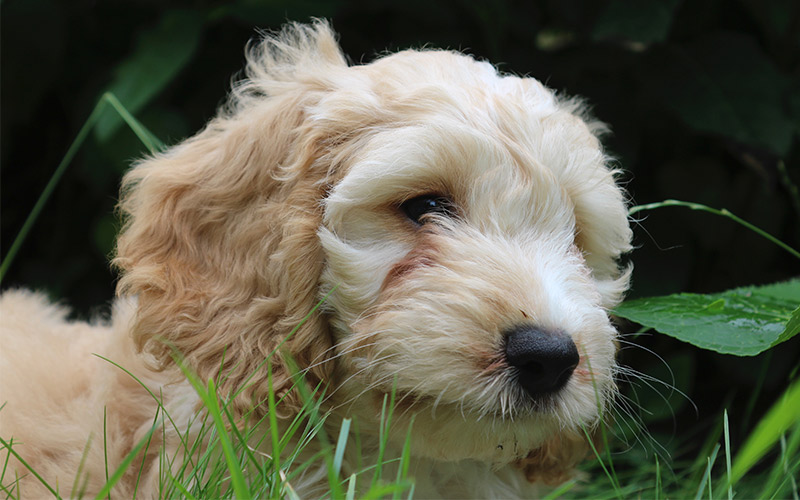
column 219, row 458
column 765, row 465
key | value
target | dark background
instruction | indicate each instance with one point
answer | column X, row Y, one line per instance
column 703, row 99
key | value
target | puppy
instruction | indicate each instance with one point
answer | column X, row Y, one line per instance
column 460, row 228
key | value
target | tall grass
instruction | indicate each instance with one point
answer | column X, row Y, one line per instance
column 759, row 469
column 219, row 457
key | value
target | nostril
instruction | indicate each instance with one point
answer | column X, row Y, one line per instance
column 544, row 359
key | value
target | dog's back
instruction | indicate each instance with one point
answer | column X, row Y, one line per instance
column 58, row 395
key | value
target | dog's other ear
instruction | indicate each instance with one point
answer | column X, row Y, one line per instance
column 219, row 243
column 554, row 462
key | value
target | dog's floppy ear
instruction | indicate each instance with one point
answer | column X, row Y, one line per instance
column 219, row 243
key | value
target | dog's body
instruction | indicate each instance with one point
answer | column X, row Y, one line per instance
column 461, row 226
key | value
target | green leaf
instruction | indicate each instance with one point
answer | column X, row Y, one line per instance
column 743, row 321
column 159, row 56
column 724, row 84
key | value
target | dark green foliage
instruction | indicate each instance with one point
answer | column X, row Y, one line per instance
column 703, row 98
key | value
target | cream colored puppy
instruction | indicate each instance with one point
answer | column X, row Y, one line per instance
column 462, row 226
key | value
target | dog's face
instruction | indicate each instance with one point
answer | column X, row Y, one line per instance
column 462, row 226
column 455, row 247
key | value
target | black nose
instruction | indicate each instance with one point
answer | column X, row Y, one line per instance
column 545, row 359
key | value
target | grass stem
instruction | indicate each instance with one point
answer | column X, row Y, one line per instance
column 721, row 212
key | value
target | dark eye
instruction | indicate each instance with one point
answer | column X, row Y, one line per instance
column 416, row 208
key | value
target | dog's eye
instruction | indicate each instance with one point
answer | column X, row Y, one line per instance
column 417, row 208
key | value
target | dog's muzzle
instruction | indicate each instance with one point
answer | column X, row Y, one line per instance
column 544, row 359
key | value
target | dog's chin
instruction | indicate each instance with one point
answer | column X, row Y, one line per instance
column 460, row 431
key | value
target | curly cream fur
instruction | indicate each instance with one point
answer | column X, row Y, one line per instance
column 290, row 195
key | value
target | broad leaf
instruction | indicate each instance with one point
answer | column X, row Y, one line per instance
column 744, row 321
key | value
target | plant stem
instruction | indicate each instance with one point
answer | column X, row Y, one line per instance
column 151, row 142
column 51, row 185
column 722, row 212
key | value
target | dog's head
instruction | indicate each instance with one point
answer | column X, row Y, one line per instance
column 462, row 226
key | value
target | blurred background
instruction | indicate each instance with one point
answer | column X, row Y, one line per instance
column 702, row 98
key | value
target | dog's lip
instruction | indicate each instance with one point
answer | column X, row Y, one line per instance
column 521, row 406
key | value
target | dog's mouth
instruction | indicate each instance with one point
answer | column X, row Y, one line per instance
column 532, row 373
column 497, row 395
column 507, row 408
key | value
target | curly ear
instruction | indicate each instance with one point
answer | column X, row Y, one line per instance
column 220, row 243
column 554, row 462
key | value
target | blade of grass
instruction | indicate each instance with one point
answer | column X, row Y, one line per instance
column 240, row 438
column 147, row 138
column 611, row 477
column 359, row 459
column 341, row 444
column 603, row 434
column 314, row 418
column 209, row 397
column 25, row 464
column 76, row 488
column 9, row 493
column 150, row 141
column 50, row 187
column 5, row 462
column 162, row 453
column 383, row 435
column 184, row 492
column 123, row 465
column 405, row 459
column 727, row 453
column 783, row 468
column 291, row 494
column 195, row 473
column 292, row 429
column 105, row 445
column 558, row 492
column 351, row 488
column 710, row 443
column 721, row 212
column 382, row 491
column 144, row 453
column 658, row 480
column 152, row 395
column 707, row 474
column 273, row 427
column 708, row 479
column 14, row 484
